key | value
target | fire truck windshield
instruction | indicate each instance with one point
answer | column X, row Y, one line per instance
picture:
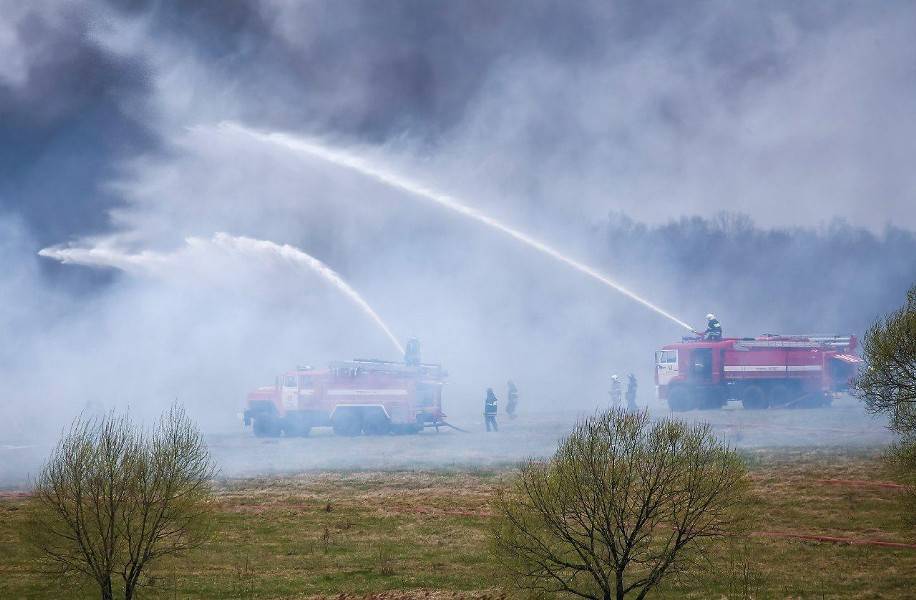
column 663, row 357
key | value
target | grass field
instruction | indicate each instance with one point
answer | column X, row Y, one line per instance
column 409, row 534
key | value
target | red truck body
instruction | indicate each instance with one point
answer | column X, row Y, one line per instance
column 359, row 396
column 769, row 370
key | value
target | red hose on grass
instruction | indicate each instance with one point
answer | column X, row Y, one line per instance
column 832, row 539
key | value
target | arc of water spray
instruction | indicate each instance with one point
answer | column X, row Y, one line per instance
column 350, row 161
column 105, row 256
column 297, row 256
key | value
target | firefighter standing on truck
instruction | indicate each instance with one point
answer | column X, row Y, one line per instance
column 713, row 328
column 631, row 392
column 615, row 391
column 412, row 352
column 512, row 396
column 489, row 410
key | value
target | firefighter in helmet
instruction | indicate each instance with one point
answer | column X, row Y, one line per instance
column 713, row 328
column 615, row 391
column 412, row 352
column 512, row 396
column 489, row 410
column 631, row 392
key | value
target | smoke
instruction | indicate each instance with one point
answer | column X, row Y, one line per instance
column 617, row 133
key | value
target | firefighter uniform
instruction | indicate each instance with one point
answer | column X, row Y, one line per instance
column 489, row 410
column 615, row 391
column 631, row 392
column 513, row 400
column 412, row 352
column 713, row 329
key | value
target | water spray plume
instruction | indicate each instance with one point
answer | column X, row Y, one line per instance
column 106, row 256
column 356, row 163
column 297, row 256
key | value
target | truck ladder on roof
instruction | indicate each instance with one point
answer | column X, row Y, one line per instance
column 797, row 341
column 370, row 365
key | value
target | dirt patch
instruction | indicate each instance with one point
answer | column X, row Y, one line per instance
column 439, row 512
column 831, row 539
column 417, row 595
column 13, row 495
column 863, row 483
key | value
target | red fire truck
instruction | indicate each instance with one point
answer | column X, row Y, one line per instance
column 769, row 370
column 374, row 397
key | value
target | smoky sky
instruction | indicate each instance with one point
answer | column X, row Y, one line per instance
column 74, row 106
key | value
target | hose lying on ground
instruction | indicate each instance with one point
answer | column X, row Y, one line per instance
column 445, row 424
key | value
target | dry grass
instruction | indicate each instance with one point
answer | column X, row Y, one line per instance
column 411, row 535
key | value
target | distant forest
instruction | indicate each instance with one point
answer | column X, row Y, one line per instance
column 835, row 277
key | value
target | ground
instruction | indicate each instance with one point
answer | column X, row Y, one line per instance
column 423, row 534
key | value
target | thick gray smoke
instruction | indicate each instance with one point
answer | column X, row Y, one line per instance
column 617, row 133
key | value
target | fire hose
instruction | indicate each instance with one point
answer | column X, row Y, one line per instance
column 446, row 424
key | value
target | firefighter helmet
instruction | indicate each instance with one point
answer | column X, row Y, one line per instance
column 710, row 317
column 614, row 377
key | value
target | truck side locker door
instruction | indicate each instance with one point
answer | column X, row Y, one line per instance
column 718, row 367
column 701, row 365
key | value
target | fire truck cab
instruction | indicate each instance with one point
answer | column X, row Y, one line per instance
column 769, row 370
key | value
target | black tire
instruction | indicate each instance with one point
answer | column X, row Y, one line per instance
column 266, row 426
column 347, row 422
column 781, row 395
column 753, row 398
column 710, row 399
column 296, row 424
column 376, row 423
column 295, row 428
column 680, row 399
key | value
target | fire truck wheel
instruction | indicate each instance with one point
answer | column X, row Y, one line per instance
column 266, row 426
column 679, row 399
column 347, row 422
column 753, row 398
column 780, row 395
column 295, row 427
column 709, row 399
column 375, row 424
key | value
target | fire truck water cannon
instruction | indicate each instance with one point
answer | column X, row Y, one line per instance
column 361, row 396
column 762, row 372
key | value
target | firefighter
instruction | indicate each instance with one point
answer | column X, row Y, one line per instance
column 713, row 328
column 631, row 392
column 412, row 352
column 489, row 410
column 615, row 391
column 512, row 395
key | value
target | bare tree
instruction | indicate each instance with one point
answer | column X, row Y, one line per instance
column 113, row 498
column 887, row 384
column 622, row 503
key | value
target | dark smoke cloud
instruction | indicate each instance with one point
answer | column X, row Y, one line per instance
column 516, row 79
column 70, row 110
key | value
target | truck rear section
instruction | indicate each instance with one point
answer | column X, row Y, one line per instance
column 355, row 397
column 761, row 372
